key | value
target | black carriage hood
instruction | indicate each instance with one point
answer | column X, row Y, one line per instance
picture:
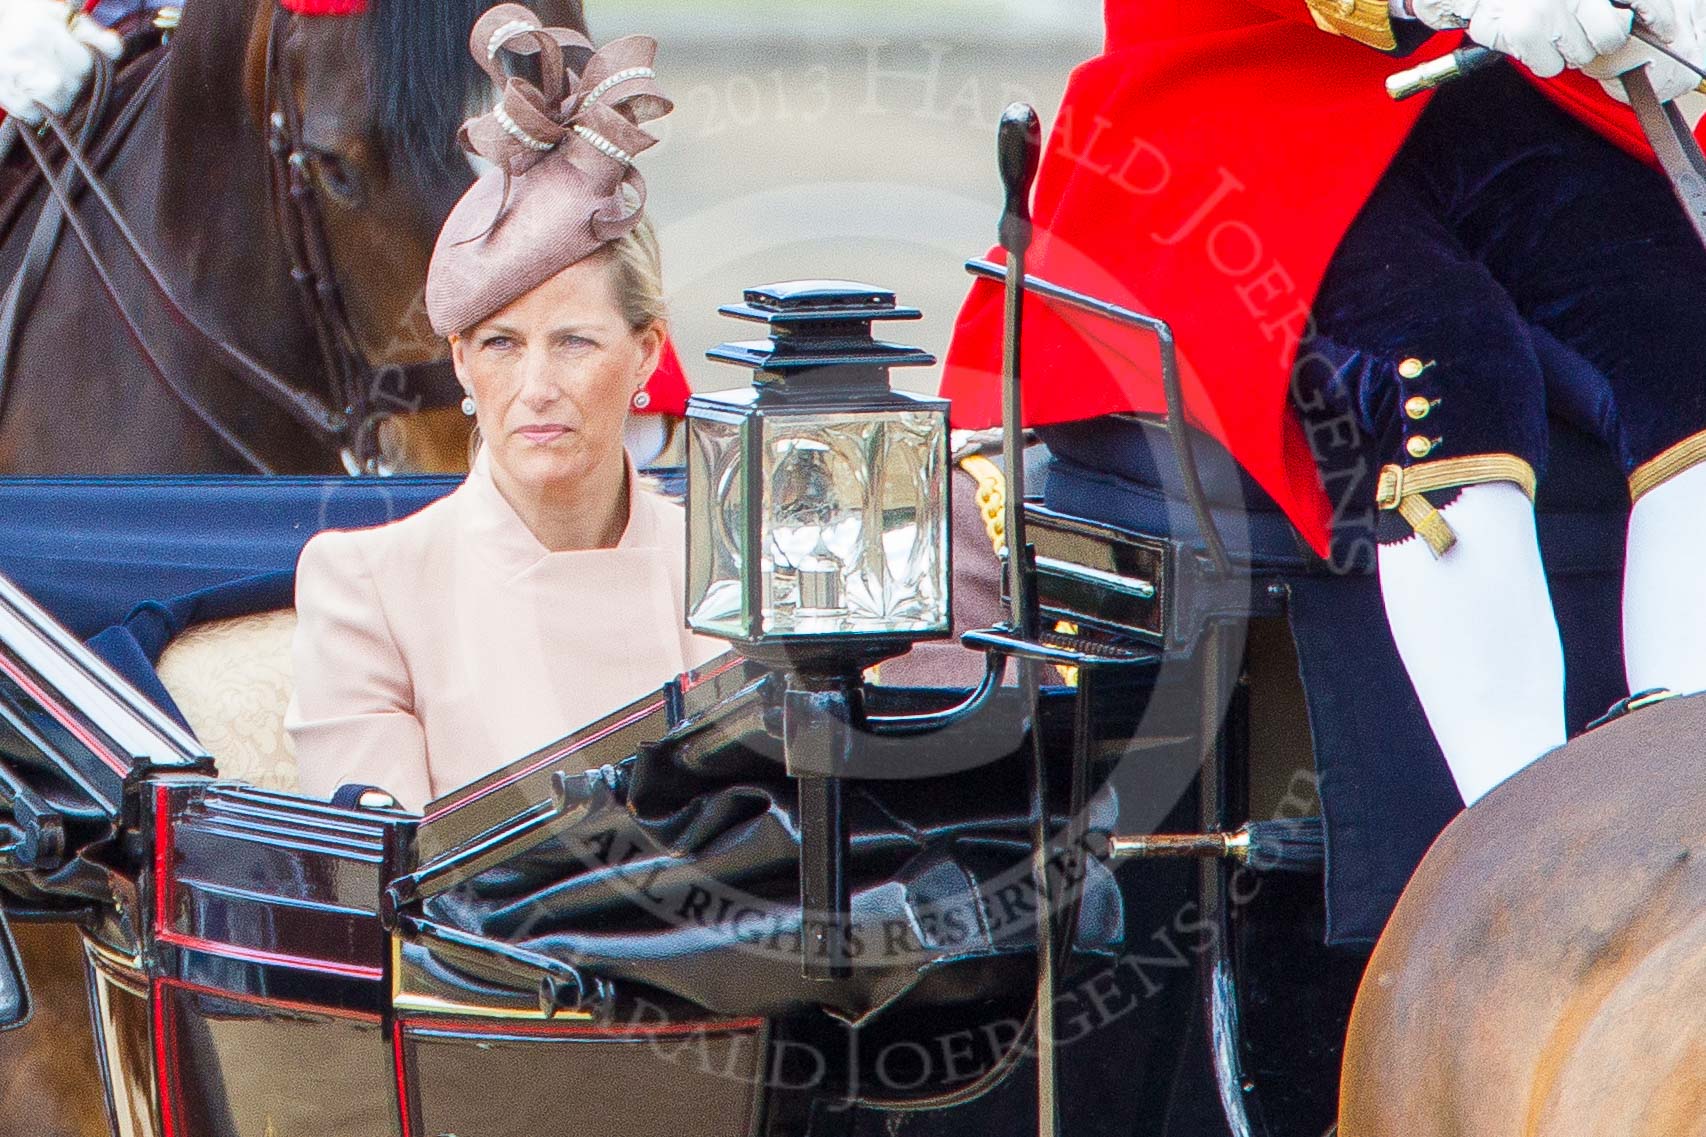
column 676, row 871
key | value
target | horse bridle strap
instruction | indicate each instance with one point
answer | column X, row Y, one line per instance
column 80, row 228
column 306, row 409
column 310, row 412
column 302, row 229
column 68, row 213
column 365, row 394
column 31, row 273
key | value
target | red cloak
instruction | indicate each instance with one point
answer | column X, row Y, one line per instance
column 666, row 390
column 1203, row 169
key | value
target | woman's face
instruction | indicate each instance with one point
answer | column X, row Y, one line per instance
column 552, row 376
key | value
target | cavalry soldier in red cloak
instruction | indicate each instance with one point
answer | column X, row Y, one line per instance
column 1347, row 274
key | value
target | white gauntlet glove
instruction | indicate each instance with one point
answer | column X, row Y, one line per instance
column 1681, row 25
column 45, row 48
column 1546, row 35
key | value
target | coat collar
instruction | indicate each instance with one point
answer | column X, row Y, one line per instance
column 491, row 525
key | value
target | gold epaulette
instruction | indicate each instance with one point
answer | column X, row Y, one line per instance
column 1366, row 21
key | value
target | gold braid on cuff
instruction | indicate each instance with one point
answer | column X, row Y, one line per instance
column 1655, row 472
column 1366, row 21
column 1401, row 488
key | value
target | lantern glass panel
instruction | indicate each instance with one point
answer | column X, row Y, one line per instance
column 853, row 533
column 716, row 525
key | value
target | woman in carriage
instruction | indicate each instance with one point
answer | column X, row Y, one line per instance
column 549, row 588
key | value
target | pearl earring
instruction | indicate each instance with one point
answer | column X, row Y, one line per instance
column 468, row 405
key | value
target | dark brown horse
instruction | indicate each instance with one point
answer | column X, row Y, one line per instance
column 188, row 166
column 226, row 367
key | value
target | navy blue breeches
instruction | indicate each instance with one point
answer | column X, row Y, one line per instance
column 1503, row 221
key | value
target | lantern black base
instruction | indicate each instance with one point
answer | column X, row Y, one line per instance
column 811, row 662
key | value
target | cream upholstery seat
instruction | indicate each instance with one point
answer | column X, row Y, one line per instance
column 232, row 680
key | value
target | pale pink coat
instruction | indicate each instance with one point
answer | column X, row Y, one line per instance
column 435, row 649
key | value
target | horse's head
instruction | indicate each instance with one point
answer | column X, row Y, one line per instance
column 373, row 91
column 381, row 92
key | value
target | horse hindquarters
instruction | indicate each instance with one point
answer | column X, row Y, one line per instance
column 1542, row 974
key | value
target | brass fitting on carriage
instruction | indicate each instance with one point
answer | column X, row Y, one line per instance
column 1295, row 844
column 1401, row 489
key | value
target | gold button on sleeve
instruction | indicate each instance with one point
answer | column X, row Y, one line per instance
column 1412, row 367
column 1418, row 406
column 1419, row 447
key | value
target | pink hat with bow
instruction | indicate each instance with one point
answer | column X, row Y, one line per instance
column 564, row 183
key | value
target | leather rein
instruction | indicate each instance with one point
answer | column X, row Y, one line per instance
column 362, row 395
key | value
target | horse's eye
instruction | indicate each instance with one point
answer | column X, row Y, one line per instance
column 337, row 178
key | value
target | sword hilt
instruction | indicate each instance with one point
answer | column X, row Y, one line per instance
column 1436, row 72
column 1472, row 57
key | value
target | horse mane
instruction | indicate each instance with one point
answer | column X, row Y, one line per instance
column 422, row 79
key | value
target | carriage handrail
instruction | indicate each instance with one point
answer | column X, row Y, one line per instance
column 140, row 729
column 1171, row 388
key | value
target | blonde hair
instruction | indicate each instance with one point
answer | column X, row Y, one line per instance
column 639, row 275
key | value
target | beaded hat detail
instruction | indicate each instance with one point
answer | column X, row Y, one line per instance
column 562, row 183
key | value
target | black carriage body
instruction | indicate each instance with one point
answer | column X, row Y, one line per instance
column 265, row 964
column 259, row 963
column 240, row 978
column 283, row 1005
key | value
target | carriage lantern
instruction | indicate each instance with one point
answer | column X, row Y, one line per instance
column 818, row 497
column 817, row 523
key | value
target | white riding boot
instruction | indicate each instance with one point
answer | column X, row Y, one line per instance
column 1477, row 635
column 1664, row 587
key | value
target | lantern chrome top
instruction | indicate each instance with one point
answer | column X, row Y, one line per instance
column 820, row 329
column 806, row 301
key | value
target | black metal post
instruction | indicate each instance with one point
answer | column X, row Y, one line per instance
column 819, row 716
column 1018, row 147
column 1220, row 664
